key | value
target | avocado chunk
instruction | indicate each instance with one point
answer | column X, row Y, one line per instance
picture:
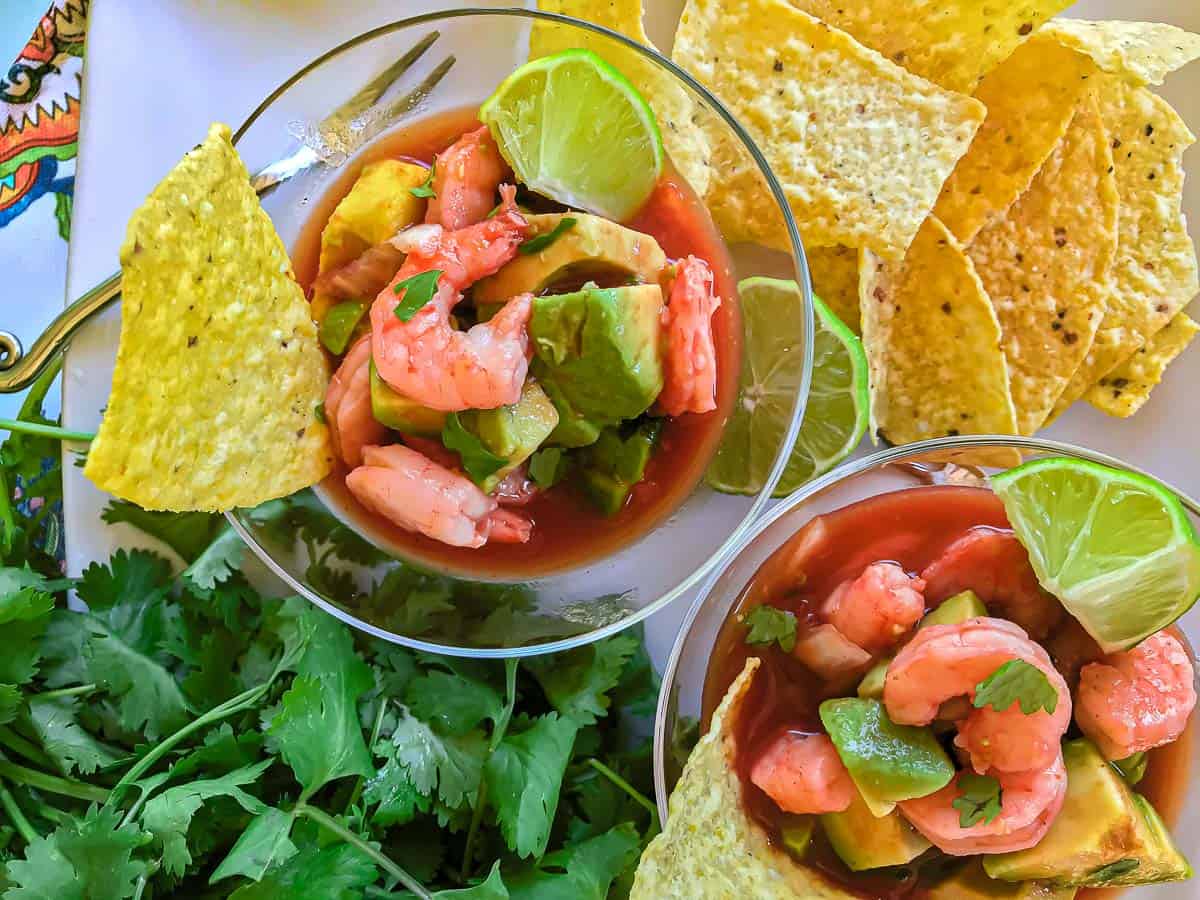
column 971, row 882
column 871, row 686
column 592, row 248
column 597, row 356
column 513, row 432
column 341, row 325
column 888, row 762
column 1133, row 767
column 866, row 841
column 954, row 610
column 796, row 833
column 1106, row 835
column 611, row 466
column 393, row 409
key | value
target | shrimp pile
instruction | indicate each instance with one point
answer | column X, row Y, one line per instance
column 1023, row 752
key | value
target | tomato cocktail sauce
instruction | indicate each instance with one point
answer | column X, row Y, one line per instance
column 911, row 527
column 567, row 529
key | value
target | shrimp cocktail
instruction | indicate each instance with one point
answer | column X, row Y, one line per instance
column 952, row 691
column 529, row 368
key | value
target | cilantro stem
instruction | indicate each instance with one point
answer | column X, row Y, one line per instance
column 47, row 431
column 637, row 796
column 24, row 747
column 375, row 729
column 77, row 691
column 333, row 826
column 67, row 787
column 9, row 802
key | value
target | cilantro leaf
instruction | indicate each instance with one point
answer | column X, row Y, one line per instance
column 1105, row 874
column 478, row 460
column 265, row 844
column 218, row 562
column 979, row 799
column 491, row 888
column 583, row 871
column 577, row 683
column 336, row 872
column 185, row 533
column 524, row 776
column 425, row 189
column 770, row 625
column 138, row 576
column 89, row 857
column 542, row 241
column 56, row 722
column 168, row 815
column 10, row 703
column 24, row 615
column 451, row 703
column 1017, row 682
column 549, row 466
column 418, row 290
column 222, row 752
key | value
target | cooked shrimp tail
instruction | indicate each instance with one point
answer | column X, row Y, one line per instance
column 690, row 356
column 465, row 179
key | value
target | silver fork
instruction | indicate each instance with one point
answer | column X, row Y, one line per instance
column 20, row 368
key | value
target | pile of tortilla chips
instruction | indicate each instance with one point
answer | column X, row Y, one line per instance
column 219, row 375
column 991, row 195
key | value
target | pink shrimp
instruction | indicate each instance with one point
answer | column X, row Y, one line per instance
column 1030, row 801
column 465, row 179
column 943, row 662
column 1139, row 699
column 417, row 494
column 996, row 567
column 690, row 356
column 348, row 405
column 877, row 608
column 425, row 358
column 803, row 773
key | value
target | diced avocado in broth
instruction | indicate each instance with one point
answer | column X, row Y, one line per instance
column 610, row 467
column 1106, row 835
column 971, row 882
column 513, row 432
column 401, row 414
column 597, row 353
column 955, row 610
column 871, row 686
column 866, row 841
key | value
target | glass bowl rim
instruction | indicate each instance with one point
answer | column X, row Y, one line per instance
column 839, row 475
column 800, row 265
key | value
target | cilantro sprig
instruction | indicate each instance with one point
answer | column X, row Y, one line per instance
column 188, row 736
column 425, row 189
column 768, row 624
column 418, row 290
column 980, row 799
column 540, row 242
column 1017, row 681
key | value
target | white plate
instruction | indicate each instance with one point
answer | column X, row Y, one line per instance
column 157, row 74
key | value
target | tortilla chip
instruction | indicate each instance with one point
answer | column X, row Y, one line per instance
column 680, row 116
column 834, row 273
column 1030, row 100
column 1125, row 389
column 953, row 44
column 861, row 146
column 1154, row 272
column 1143, row 52
column 710, row 849
column 933, row 344
column 219, row 373
column 1045, row 265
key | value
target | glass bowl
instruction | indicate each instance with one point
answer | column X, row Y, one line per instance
column 336, row 562
column 913, row 465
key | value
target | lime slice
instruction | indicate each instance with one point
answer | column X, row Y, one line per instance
column 1117, row 549
column 575, row 130
column 836, row 416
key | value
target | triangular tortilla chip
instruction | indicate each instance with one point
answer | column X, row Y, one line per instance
column 219, row 373
column 1125, row 389
column 1142, row 52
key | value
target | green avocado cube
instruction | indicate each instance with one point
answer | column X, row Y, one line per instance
column 597, row 352
column 888, row 762
column 871, row 686
column 866, row 841
column 796, row 833
column 614, row 463
column 1106, row 835
column 513, row 432
column 397, row 412
column 955, row 610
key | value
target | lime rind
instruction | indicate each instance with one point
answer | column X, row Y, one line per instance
column 1117, row 548
column 576, row 130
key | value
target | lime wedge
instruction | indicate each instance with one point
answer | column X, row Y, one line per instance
column 575, row 130
column 836, row 416
column 1117, row 549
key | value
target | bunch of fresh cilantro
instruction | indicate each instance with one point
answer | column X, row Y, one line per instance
column 189, row 737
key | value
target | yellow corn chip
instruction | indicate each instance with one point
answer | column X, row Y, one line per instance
column 953, row 43
column 710, row 849
column 1045, row 264
column 1153, row 275
column 681, row 119
column 933, row 344
column 834, row 273
column 861, row 146
column 1030, row 99
column 1125, row 389
column 1143, row 52
column 219, row 373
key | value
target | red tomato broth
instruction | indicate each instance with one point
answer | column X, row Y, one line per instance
column 911, row 527
column 568, row 531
